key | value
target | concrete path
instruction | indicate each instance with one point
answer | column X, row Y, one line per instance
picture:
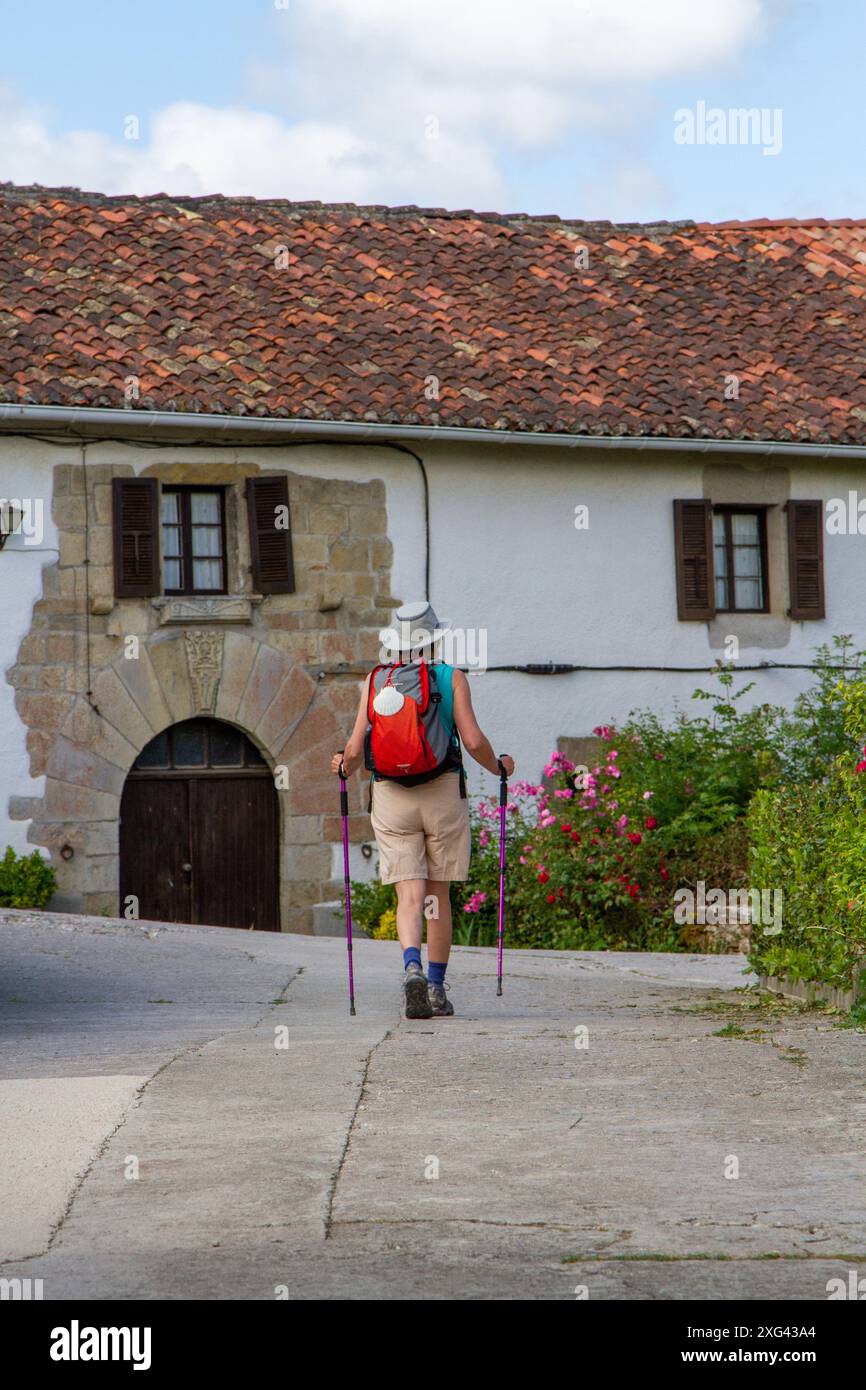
column 168, row 1144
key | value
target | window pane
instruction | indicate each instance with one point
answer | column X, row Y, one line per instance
column 207, row 540
column 748, row 592
column 253, row 756
column 172, row 574
column 744, row 526
column 171, row 545
column 747, row 562
column 155, row 753
column 226, row 746
column 207, row 574
column 720, row 558
column 172, row 540
column 188, row 740
column 205, row 506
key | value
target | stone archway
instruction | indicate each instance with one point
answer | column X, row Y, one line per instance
column 170, row 677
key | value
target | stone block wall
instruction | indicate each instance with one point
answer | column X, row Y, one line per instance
column 288, row 671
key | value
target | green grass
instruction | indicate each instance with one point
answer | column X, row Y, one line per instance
column 733, row 1030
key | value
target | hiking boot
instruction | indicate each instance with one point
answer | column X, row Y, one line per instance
column 415, row 993
column 439, row 1001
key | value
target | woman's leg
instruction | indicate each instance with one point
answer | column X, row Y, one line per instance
column 439, row 922
column 410, row 911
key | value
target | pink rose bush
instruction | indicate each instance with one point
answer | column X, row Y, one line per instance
column 578, row 866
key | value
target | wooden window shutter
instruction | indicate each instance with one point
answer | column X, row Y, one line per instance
column 806, row 559
column 693, row 531
column 135, row 520
column 270, row 545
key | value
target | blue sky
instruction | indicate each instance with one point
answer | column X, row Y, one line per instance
column 513, row 106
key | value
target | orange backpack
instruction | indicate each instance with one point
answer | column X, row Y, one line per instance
column 410, row 744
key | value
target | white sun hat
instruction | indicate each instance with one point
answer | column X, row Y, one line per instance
column 414, row 625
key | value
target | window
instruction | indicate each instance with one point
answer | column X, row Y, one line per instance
column 740, row 559
column 193, row 540
column 199, row 745
column 191, row 520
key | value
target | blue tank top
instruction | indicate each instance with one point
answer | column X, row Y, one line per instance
column 445, row 686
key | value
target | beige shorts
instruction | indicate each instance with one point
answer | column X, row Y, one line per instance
column 423, row 831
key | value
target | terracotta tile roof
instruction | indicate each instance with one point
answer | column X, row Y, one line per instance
column 233, row 306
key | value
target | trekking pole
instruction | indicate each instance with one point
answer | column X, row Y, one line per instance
column 344, row 812
column 503, row 801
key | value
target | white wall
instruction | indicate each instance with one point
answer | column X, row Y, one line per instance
column 505, row 553
column 26, row 471
column 505, row 556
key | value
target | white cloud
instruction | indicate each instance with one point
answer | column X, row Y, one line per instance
column 520, row 70
column 194, row 149
column 389, row 101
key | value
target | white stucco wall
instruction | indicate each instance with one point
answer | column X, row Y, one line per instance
column 26, row 472
column 505, row 556
column 505, row 552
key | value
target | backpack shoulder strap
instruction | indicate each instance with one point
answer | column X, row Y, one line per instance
column 424, row 678
column 371, row 691
column 455, row 740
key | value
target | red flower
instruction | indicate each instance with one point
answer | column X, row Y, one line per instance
column 634, row 890
column 575, row 837
column 566, row 829
column 551, row 897
column 543, row 876
column 623, row 878
column 861, row 766
column 650, row 822
column 635, row 837
column 665, row 874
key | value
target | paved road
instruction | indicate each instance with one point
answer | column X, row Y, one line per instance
column 160, row 1141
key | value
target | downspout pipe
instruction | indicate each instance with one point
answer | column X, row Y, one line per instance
column 271, row 429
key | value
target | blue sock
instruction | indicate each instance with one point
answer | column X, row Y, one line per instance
column 411, row 956
column 436, row 971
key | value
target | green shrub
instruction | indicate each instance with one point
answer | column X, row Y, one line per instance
column 579, row 871
column 386, row 927
column 809, row 841
column 597, row 864
column 25, row 880
column 817, row 730
column 370, row 901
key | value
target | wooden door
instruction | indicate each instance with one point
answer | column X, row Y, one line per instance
column 234, row 835
column 154, row 846
column 199, row 829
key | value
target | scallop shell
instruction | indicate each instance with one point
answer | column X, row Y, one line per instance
column 388, row 701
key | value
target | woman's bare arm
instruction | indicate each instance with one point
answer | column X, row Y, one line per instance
column 352, row 755
column 473, row 738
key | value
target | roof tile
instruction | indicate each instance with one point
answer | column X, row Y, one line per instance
column 196, row 298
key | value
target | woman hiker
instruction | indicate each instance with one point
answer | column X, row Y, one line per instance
column 411, row 719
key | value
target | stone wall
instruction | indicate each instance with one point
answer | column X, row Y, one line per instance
column 283, row 667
